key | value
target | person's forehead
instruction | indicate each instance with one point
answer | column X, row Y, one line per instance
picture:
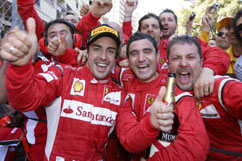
column 100, row 41
column 223, row 29
column 150, row 21
column 58, row 27
column 183, row 49
column 70, row 16
column 167, row 15
column 144, row 42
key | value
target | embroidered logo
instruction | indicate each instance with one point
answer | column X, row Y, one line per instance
column 150, row 100
column 78, row 87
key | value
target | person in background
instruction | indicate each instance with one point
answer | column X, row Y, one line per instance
column 237, row 25
column 169, row 20
column 222, row 110
column 72, row 18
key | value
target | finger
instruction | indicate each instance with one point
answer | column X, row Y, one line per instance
column 63, row 40
column 19, row 45
column 8, row 56
column 211, row 86
column 161, row 94
column 31, row 26
column 196, row 91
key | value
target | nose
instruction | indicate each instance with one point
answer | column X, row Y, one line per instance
column 183, row 62
column 141, row 57
column 103, row 55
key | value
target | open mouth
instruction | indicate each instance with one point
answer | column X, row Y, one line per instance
column 184, row 77
column 143, row 67
column 101, row 67
column 165, row 30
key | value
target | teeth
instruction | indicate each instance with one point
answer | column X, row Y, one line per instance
column 102, row 65
column 142, row 66
column 183, row 72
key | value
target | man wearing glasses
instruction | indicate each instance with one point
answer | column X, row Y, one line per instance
column 221, row 36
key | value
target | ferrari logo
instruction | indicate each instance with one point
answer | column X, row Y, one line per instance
column 106, row 91
column 161, row 61
column 78, row 86
column 150, row 100
column 199, row 105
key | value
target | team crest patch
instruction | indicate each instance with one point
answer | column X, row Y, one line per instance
column 162, row 61
column 106, row 90
column 150, row 100
column 78, row 87
column 199, row 105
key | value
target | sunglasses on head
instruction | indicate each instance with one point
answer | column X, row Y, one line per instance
column 219, row 34
column 239, row 27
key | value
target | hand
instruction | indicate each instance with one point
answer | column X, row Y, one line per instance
column 208, row 20
column 82, row 56
column 57, row 47
column 161, row 115
column 130, row 6
column 189, row 26
column 124, row 63
column 204, row 84
column 18, row 47
column 85, row 9
column 101, row 7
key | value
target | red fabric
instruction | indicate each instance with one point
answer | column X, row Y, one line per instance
column 191, row 131
column 10, row 134
column 127, row 28
column 77, row 136
column 86, row 24
column 223, row 126
column 26, row 10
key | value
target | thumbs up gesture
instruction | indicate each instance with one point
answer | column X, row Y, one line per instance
column 18, row 47
column 57, row 47
column 161, row 115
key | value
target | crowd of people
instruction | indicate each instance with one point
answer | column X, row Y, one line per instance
column 76, row 89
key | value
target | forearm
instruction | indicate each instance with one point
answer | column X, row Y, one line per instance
column 26, row 10
column 3, row 93
column 135, row 136
column 27, row 91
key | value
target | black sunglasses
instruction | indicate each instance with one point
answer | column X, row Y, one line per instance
column 239, row 27
column 219, row 34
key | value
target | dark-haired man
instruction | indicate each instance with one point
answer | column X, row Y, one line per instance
column 169, row 20
column 84, row 103
column 221, row 110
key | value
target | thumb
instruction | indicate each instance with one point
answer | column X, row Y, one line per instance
column 31, row 26
column 161, row 93
column 63, row 40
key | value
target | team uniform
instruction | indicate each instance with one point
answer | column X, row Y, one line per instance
column 222, row 115
column 83, row 114
column 191, row 130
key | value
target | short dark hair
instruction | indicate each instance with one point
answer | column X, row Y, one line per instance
column 147, row 16
column 59, row 21
column 237, row 16
column 139, row 36
column 184, row 39
column 169, row 11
